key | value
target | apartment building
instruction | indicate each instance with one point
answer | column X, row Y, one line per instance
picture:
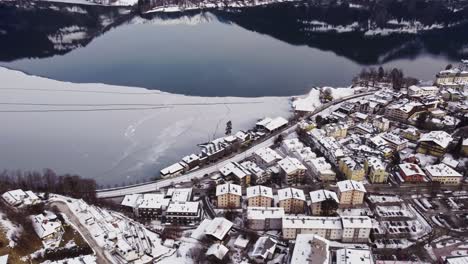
column 352, row 169
column 265, row 218
column 336, row 130
column 349, row 229
column 356, row 229
column 266, row 157
column 381, row 123
column 259, row 196
column 318, row 197
column 147, row 206
column 184, row 213
column 394, row 141
column 292, row 170
column 443, row 174
column 418, row 91
column 434, row 143
column 326, row 227
column 376, row 170
column 351, row 192
column 321, row 169
column 292, row 200
column 229, row 195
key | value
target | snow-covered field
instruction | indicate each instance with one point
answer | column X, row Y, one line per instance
column 110, row 133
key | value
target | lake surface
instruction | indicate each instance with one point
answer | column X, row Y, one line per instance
column 266, row 51
column 208, row 55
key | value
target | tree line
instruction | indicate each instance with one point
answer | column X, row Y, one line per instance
column 396, row 77
column 48, row 181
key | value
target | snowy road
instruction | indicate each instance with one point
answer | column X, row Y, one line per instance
column 153, row 186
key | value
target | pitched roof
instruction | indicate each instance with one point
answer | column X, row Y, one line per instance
column 228, row 188
column 289, row 193
column 440, row 138
column 259, row 190
column 350, row 185
column 322, row 195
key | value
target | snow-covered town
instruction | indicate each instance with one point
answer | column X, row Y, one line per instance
column 372, row 173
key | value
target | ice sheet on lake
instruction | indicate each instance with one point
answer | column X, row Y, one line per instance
column 110, row 133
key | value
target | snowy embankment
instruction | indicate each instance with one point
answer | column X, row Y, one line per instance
column 311, row 101
column 11, row 230
column 110, row 133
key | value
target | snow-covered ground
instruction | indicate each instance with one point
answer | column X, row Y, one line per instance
column 110, row 133
column 11, row 230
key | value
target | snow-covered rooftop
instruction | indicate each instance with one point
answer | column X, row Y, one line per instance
column 148, row 200
column 272, row 124
column 264, row 247
column 351, row 163
column 190, row 158
column 394, row 139
column 291, row 165
column 350, row 185
column 268, row 155
column 18, row 197
column 322, row 195
column 183, row 207
column 228, row 188
column 441, row 170
column 320, row 164
column 179, row 194
column 310, row 248
column 375, row 163
column 316, row 222
column 218, row 227
column 46, row 225
column 218, row 250
column 440, row 138
column 353, row 256
column 292, row 144
column 356, row 222
column 411, row 169
column 289, row 193
column 235, row 168
column 262, row 213
column 259, row 190
column 174, row 168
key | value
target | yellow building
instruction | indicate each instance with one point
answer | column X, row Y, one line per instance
column 259, row 196
column 443, row 174
column 229, row 195
column 351, row 169
column 336, row 130
column 292, row 200
column 375, row 169
column 434, row 143
column 351, row 192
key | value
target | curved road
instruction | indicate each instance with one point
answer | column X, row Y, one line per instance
column 153, row 186
column 100, row 253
